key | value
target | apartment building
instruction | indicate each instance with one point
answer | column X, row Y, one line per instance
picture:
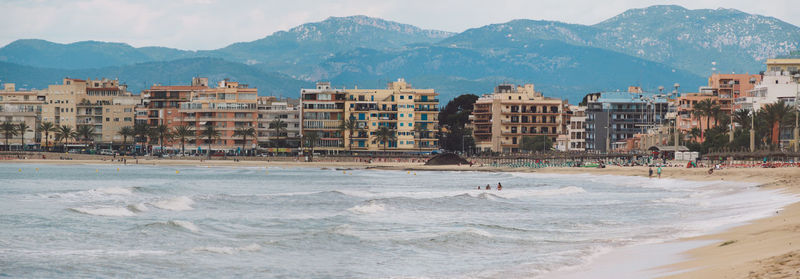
column 229, row 106
column 160, row 104
column 288, row 111
column 788, row 64
column 399, row 107
column 21, row 106
column 501, row 119
column 577, row 129
column 614, row 117
column 104, row 104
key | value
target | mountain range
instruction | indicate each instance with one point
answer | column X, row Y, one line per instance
column 649, row 47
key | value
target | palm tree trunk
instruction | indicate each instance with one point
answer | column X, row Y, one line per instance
column 183, row 141
column 776, row 129
column 46, row 136
column 244, row 140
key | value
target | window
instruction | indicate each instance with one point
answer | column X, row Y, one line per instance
column 402, row 97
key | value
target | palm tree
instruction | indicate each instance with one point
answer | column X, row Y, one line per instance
column 775, row 114
column 210, row 133
column 384, row 134
column 716, row 112
column 244, row 132
column 160, row 132
column 140, row 131
column 22, row 127
column 47, row 127
column 695, row 133
column 279, row 126
column 126, row 132
column 419, row 132
column 9, row 131
column 182, row 133
column 63, row 134
column 84, row 132
column 703, row 108
column 742, row 117
column 350, row 126
column 310, row 140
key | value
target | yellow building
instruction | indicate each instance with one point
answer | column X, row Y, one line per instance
column 399, row 107
column 783, row 64
column 104, row 104
column 503, row 118
column 18, row 107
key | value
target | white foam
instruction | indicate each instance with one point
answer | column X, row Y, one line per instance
column 184, row 224
column 115, row 191
column 370, row 207
column 175, row 204
column 228, row 250
column 505, row 193
column 104, row 211
column 138, row 207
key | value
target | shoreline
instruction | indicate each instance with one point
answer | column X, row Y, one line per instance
column 761, row 248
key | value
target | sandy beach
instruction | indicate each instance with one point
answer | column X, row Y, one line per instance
column 765, row 248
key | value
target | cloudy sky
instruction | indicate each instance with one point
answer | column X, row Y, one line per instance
column 210, row 24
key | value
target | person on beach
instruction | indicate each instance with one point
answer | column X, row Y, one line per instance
column 650, row 173
column 488, row 187
column 499, row 186
column 659, row 172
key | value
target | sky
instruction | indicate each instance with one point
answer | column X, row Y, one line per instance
column 212, row 24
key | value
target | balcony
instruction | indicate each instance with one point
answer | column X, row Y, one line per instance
column 426, row 101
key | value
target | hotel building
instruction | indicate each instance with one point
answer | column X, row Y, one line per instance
column 227, row 107
column 400, row 107
column 288, row 111
column 501, row 119
column 21, row 106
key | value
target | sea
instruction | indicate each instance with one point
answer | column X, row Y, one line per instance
column 136, row 221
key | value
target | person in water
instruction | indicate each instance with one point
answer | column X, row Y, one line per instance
column 659, row 172
column 650, row 175
column 488, row 187
column 499, row 186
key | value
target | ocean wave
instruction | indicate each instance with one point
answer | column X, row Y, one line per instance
column 175, row 204
column 106, row 192
column 483, row 194
column 371, row 207
column 138, row 207
column 226, row 249
column 175, row 224
column 104, row 211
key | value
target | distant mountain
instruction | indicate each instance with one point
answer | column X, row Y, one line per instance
column 653, row 46
column 143, row 75
column 557, row 68
column 83, row 55
column 691, row 40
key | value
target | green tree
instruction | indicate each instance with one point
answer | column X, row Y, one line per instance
column 384, row 134
column 63, row 134
column 776, row 114
column 350, row 126
column 84, row 133
column 742, row 117
column 420, row 132
column 536, row 143
column 701, row 109
column 9, row 130
column 182, row 133
column 47, row 127
column 22, row 127
column 141, row 132
column 210, row 133
column 280, row 128
column 456, row 113
column 310, row 140
column 244, row 132
column 161, row 132
column 126, row 132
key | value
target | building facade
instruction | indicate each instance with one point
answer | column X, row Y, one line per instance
column 400, row 107
column 23, row 106
column 577, row 129
column 501, row 119
column 614, row 117
column 288, row 111
column 105, row 105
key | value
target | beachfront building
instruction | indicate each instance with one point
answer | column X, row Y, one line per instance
column 160, row 104
column 502, row 118
column 228, row 107
column 399, row 107
column 287, row 111
column 576, row 130
column 21, row 106
column 614, row 117
column 105, row 105
column 789, row 64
